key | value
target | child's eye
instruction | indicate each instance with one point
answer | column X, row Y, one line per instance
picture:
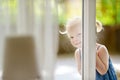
column 71, row 37
column 79, row 34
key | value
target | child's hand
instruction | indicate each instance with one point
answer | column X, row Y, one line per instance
column 102, row 58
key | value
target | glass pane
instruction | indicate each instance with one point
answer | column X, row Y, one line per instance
column 67, row 67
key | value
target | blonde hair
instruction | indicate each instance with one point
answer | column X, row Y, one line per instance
column 72, row 23
column 99, row 27
column 75, row 21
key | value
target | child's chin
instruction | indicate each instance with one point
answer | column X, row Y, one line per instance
column 78, row 46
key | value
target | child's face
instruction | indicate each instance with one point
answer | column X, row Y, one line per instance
column 75, row 35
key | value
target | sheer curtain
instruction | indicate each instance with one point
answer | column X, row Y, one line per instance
column 37, row 18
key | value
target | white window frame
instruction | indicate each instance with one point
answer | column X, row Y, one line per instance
column 89, row 39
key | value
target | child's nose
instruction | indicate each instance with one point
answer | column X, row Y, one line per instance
column 75, row 39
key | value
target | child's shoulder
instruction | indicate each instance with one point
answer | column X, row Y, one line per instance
column 77, row 54
column 102, row 50
column 100, row 46
column 77, row 51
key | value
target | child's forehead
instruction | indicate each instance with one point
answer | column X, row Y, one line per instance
column 74, row 28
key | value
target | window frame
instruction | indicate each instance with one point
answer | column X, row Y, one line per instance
column 89, row 39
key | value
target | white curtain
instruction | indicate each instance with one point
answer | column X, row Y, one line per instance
column 39, row 19
column 46, row 32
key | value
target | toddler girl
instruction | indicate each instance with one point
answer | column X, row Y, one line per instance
column 104, row 66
